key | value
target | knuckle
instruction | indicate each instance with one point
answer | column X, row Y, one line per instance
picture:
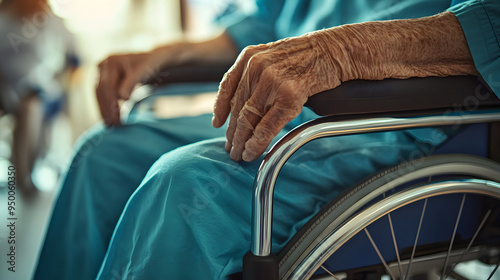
column 258, row 60
column 107, row 60
column 262, row 65
column 248, row 51
column 254, row 61
column 288, row 104
column 232, row 102
column 101, row 64
column 268, row 74
column 225, row 81
column 229, row 134
column 243, row 116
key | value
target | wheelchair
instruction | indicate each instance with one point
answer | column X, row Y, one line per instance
column 421, row 219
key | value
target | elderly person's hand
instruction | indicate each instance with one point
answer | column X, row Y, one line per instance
column 119, row 74
column 269, row 84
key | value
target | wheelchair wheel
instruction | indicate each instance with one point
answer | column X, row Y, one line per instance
column 423, row 219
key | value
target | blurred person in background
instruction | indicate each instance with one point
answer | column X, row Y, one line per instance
column 171, row 199
column 37, row 59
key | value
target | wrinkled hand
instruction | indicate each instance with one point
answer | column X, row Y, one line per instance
column 119, row 74
column 268, row 86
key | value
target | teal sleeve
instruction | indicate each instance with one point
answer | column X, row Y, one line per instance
column 480, row 21
column 255, row 26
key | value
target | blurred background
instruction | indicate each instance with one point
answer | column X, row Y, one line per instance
column 49, row 53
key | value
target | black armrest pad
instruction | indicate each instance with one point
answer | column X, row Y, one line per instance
column 394, row 95
column 191, row 73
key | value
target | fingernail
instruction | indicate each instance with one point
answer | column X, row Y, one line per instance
column 214, row 121
column 234, row 155
column 228, row 146
column 247, row 156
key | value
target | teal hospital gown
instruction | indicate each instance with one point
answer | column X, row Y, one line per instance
column 161, row 199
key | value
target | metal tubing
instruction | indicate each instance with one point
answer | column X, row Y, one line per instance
column 336, row 239
column 326, row 127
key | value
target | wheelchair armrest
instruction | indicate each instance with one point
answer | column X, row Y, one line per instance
column 395, row 95
column 190, row 73
column 199, row 73
column 357, row 107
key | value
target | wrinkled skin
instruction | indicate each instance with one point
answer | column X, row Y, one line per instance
column 267, row 87
column 269, row 84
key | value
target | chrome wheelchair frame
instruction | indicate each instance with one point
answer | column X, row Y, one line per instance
column 363, row 107
column 260, row 263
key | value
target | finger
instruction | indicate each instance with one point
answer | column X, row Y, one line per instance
column 106, row 94
column 240, row 97
column 228, row 87
column 269, row 126
column 108, row 106
column 247, row 121
column 231, row 128
column 251, row 105
column 131, row 76
column 255, row 76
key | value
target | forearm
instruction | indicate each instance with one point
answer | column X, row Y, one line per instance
column 430, row 46
column 219, row 49
column 119, row 74
column 269, row 84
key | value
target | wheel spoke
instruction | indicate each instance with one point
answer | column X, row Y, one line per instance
column 471, row 242
column 416, row 239
column 379, row 254
column 453, row 237
column 395, row 246
column 329, row 272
